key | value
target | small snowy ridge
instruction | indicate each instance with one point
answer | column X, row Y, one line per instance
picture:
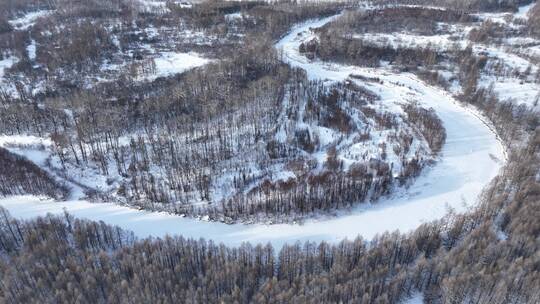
column 535, row 51
column 164, row 64
column 509, row 59
column 521, row 41
column 408, row 40
column 28, row 20
column 471, row 158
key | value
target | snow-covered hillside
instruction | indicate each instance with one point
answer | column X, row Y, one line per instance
column 251, row 136
column 511, row 71
column 469, row 160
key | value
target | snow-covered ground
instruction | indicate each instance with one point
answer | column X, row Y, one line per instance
column 470, row 159
column 170, row 63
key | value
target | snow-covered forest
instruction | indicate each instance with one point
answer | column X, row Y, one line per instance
column 269, row 151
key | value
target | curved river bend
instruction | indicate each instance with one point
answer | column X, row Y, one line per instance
column 470, row 159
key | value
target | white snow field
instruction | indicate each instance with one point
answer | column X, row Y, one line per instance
column 470, row 159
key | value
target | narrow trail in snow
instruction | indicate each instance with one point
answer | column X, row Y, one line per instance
column 470, row 159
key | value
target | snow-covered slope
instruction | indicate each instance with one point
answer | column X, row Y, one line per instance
column 470, row 159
